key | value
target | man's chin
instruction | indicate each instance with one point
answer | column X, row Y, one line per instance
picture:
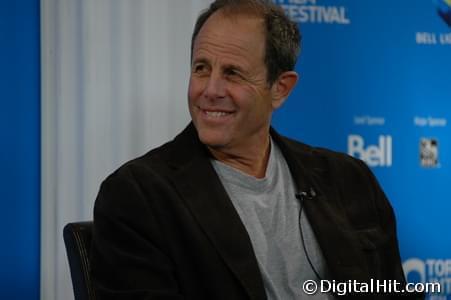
column 212, row 140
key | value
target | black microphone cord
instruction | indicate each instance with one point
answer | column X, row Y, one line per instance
column 301, row 196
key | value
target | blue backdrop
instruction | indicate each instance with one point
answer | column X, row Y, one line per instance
column 20, row 149
column 375, row 83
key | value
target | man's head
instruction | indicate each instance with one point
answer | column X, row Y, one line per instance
column 240, row 71
column 282, row 37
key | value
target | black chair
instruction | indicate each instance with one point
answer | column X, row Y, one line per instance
column 77, row 238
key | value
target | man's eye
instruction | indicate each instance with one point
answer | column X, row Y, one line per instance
column 199, row 68
column 232, row 72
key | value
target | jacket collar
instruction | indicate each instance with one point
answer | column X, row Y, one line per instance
column 204, row 195
column 335, row 235
column 206, row 198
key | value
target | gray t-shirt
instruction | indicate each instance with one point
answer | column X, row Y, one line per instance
column 270, row 212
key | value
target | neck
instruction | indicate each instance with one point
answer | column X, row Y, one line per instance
column 251, row 160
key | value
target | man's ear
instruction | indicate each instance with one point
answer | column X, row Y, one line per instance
column 282, row 88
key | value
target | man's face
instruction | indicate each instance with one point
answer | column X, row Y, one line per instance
column 229, row 97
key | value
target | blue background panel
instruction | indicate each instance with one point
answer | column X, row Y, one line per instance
column 376, row 67
column 20, row 149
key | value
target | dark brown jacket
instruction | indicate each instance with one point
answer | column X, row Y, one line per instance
column 164, row 227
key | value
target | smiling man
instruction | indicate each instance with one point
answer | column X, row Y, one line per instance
column 230, row 209
column 230, row 97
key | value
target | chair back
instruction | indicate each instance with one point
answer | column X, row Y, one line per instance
column 77, row 238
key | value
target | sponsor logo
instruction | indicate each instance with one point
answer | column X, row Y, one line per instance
column 311, row 11
column 435, row 38
column 432, row 38
column 444, row 10
column 379, row 155
column 429, row 153
column 430, row 270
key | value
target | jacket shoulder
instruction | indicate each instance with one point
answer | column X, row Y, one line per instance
column 153, row 163
column 347, row 176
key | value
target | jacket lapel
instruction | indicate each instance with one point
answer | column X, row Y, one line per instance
column 200, row 187
column 203, row 193
column 337, row 240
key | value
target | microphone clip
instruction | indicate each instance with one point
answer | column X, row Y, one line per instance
column 306, row 195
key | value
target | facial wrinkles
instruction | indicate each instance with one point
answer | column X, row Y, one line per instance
column 254, row 81
column 216, row 41
column 213, row 53
column 212, row 48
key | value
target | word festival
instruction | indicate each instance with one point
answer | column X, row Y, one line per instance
column 307, row 11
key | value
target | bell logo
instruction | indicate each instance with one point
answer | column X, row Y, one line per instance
column 374, row 155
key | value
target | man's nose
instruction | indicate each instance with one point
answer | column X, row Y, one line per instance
column 216, row 87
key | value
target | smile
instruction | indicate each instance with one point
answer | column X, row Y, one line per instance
column 216, row 114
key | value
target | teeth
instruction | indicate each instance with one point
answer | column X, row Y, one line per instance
column 216, row 114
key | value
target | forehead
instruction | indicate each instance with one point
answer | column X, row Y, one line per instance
column 239, row 36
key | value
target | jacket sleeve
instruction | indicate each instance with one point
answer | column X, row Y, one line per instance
column 128, row 259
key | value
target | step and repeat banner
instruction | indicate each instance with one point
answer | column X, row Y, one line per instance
column 375, row 83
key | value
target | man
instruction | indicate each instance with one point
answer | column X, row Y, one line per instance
column 230, row 209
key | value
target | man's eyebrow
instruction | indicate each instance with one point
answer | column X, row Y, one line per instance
column 200, row 60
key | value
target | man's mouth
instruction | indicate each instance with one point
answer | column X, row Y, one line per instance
column 216, row 114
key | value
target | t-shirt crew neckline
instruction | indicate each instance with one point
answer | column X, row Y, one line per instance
column 249, row 182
